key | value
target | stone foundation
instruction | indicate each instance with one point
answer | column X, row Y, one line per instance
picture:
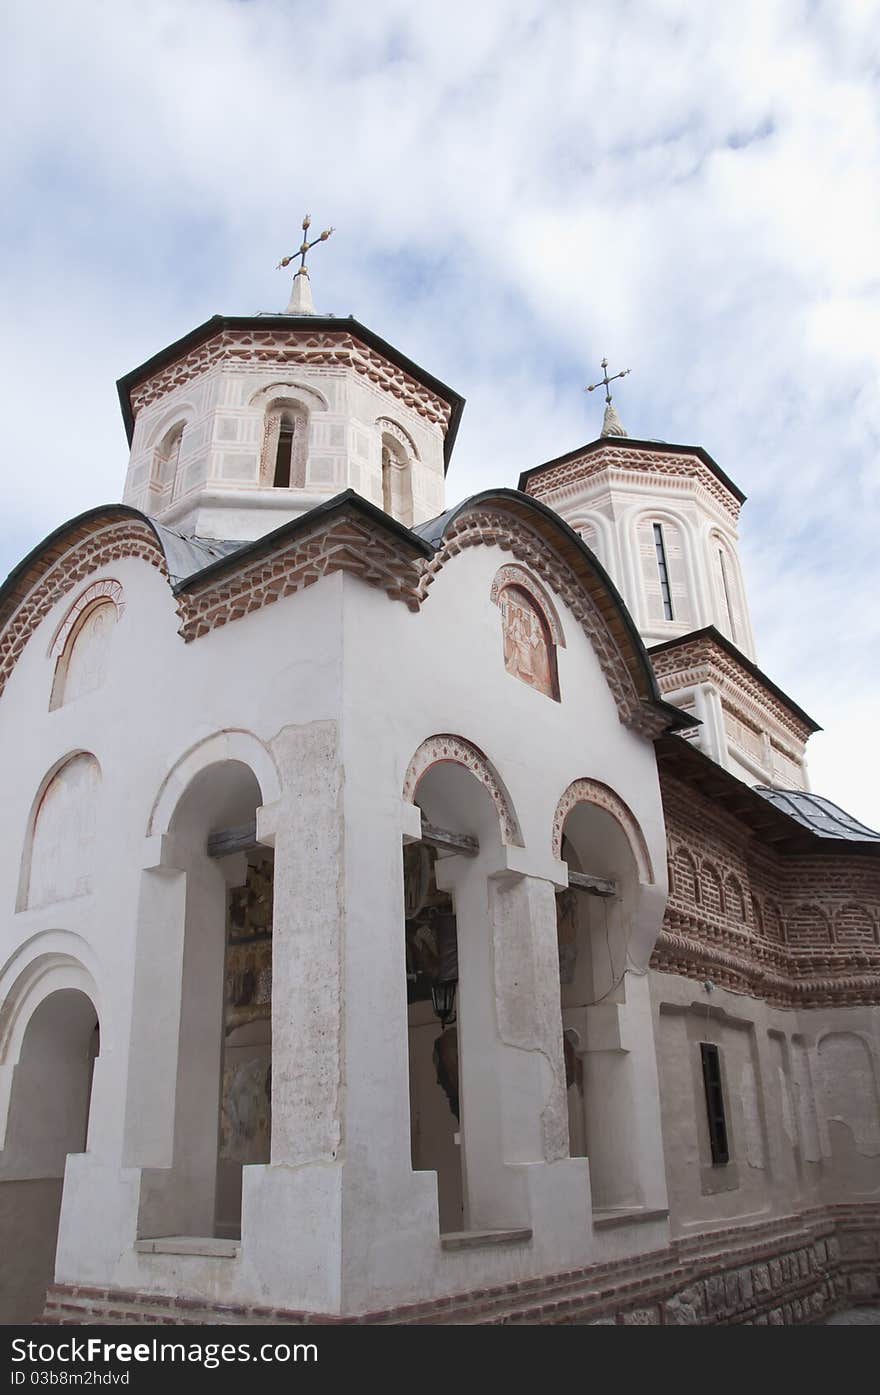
column 792, row 1270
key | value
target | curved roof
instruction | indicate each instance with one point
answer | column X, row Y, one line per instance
column 819, row 815
column 183, row 556
column 187, row 559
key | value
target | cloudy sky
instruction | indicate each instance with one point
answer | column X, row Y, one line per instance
column 518, row 187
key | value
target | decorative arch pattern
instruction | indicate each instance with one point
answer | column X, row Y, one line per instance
column 854, row 925
column 86, row 554
column 711, row 893
column 98, row 591
column 50, row 961
column 586, row 791
column 446, row 747
column 734, row 900
column 388, row 427
column 290, row 389
column 808, row 926
column 233, row 745
column 512, row 575
column 687, row 885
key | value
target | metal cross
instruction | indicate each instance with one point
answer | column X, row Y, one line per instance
column 605, row 380
column 306, row 247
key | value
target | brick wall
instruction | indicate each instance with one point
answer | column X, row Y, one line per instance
column 796, row 929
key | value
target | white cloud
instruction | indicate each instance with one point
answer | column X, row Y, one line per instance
column 518, row 189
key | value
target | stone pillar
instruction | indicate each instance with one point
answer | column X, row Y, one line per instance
column 621, row 1100
column 305, row 829
column 512, row 1074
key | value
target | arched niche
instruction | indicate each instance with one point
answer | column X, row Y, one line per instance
column 397, row 484
column 665, row 563
column 602, row 940
column 81, row 644
column 60, row 839
column 450, row 938
column 286, row 409
column 449, row 750
column 530, row 627
column 50, row 1081
column 729, row 595
column 200, row 1095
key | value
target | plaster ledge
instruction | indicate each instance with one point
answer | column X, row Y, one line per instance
column 483, row 1239
column 204, row 1246
column 627, row 1215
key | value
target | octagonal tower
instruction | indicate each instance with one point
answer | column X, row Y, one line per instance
column 247, row 422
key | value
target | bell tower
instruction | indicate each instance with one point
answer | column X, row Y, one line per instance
column 248, row 421
column 663, row 521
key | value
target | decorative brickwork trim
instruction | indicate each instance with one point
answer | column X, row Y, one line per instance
column 704, row 661
column 518, row 576
column 286, row 347
column 624, row 465
column 108, row 590
column 445, row 747
column 791, row 1270
column 492, row 527
column 593, row 792
column 352, row 545
column 798, row 931
column 83, row 555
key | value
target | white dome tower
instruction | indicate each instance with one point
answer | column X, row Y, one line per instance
column 662, row 519
column 249, row 421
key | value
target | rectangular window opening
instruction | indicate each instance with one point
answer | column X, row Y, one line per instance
column 711, row 1059
column 282, row 458
column 664, row 572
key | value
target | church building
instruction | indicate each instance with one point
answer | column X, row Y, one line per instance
column 413, row 912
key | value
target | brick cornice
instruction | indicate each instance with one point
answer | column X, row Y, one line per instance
column 703, row 657
column 351, row 543
column 282, row 347
column 68, row 558
column 623, row 461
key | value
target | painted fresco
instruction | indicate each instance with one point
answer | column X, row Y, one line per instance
column 528, row 652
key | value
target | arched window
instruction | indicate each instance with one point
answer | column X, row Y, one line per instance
column 166, row 461
column 285, row 445
column 664, row 571
column 397, row 496
column 82, row 642
column 60, row 842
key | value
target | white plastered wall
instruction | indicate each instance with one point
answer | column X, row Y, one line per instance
column 802, row 1103
column 326, row 695
column 219, row 494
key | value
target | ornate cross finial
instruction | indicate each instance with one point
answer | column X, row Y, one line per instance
column 611, row 425
column 301, row 295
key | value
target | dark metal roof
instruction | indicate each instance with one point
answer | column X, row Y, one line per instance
column 186, row 556
column 324, row 324
column 772, row 820
column 710, row 632
column 631, row 442
column 819, row 815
